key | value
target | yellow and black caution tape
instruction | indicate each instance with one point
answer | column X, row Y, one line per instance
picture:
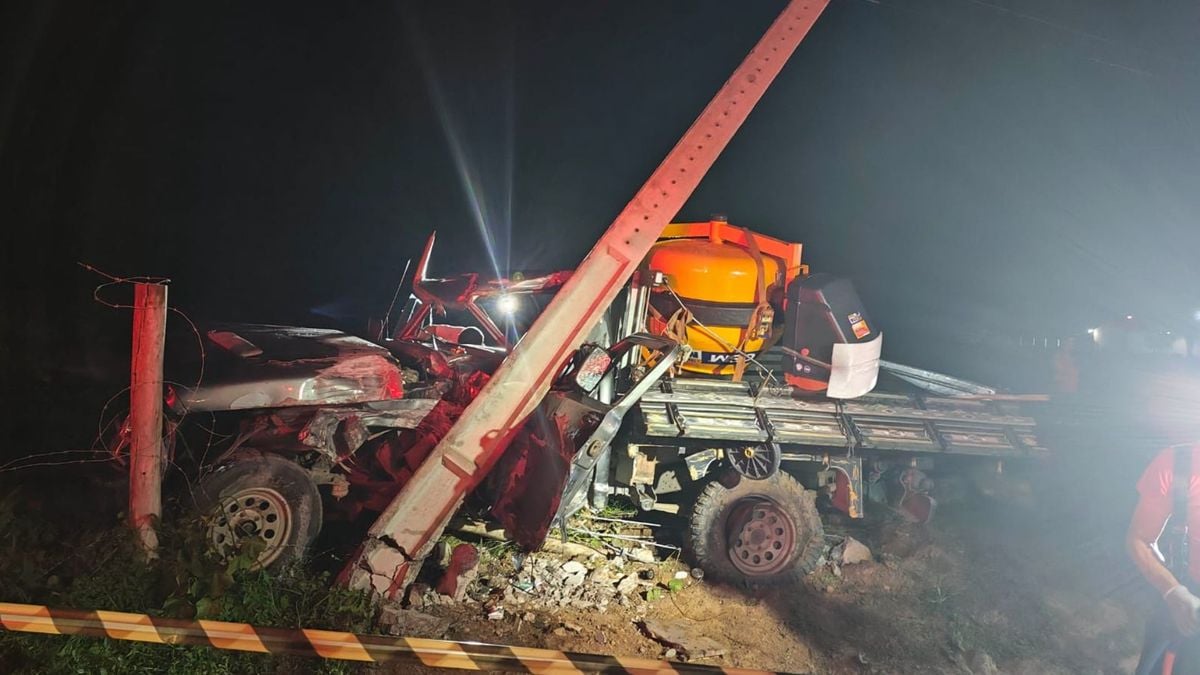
column 328, row 644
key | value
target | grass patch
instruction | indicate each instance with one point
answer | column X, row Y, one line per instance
column 41, row 563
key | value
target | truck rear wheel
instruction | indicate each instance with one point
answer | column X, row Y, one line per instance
column 757, row 531
column 265, row 498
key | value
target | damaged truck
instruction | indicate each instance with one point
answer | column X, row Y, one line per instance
column 728, row 386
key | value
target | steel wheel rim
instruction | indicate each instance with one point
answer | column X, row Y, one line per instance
column 754, row 462
column 256, row 512
column 762, row 538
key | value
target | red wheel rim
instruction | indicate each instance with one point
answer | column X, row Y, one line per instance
column 762, row 537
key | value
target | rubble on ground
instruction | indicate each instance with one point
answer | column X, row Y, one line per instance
column 618, row 565
column 629, row 576
column 547, row 583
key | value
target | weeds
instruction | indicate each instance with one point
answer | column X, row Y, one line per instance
column 44, row 564
column 618, row 508
column 937, row 595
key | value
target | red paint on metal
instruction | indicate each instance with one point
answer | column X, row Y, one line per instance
column 463, row 559
column 841, row 492
column 393, row 385
column 527, row 483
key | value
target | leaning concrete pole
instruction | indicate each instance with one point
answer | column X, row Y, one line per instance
column 407, row 529
column 145, row 411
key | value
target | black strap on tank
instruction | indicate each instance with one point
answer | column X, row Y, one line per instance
column 1180, row 486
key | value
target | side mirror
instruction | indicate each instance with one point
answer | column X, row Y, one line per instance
column 592, row 368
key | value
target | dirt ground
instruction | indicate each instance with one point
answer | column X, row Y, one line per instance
column 1028, row 578
column 985, row 588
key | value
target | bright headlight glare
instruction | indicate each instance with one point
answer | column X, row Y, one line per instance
column 508, row 304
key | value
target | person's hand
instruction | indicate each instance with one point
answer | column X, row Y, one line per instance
column 1184, row 609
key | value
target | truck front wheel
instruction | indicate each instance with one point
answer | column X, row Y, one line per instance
column 757, row 531
column 263, row 498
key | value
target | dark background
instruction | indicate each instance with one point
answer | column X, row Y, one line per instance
column 981, row 170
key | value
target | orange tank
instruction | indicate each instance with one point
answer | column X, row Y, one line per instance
column 730, row 281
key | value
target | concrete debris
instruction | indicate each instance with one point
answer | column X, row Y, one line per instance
column 573, row 567
column 552, row 579
column 627, row 584
column 604, row 574
column 854, row 552
column 642, row 555
column 416, row 596
column 848, row 551
column 676, row 635
column 542, row 582
column 395, row 620
column 573, row 580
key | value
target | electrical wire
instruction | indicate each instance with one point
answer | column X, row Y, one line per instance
column 99, row 443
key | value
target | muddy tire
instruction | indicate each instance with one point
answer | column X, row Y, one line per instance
column 261, row 496
column 757, row 532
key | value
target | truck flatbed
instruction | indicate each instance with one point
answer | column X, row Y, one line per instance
column 696, row 409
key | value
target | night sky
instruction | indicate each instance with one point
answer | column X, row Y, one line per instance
column 978, row 168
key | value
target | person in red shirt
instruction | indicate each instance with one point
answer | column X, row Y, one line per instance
column 1169, row 558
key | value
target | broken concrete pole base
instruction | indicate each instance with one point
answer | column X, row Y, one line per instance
column 377, row 576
